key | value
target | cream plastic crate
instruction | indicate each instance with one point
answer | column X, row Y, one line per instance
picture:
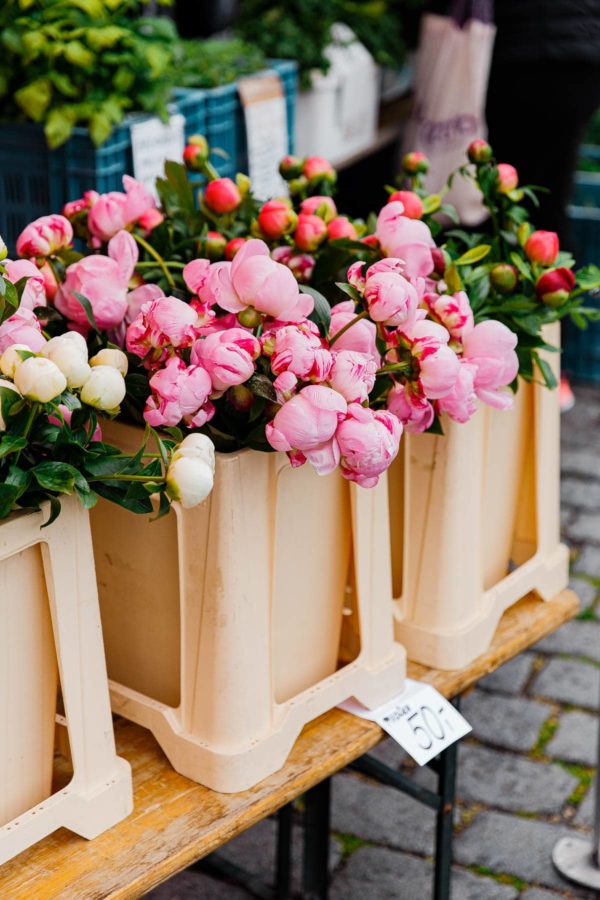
column 475, row 524
column 222, row 623
column 338, row 116
column 50, row 625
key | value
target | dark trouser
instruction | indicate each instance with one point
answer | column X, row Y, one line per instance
column 537, row 114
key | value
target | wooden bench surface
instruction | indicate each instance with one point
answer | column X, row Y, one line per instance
column 176, row 821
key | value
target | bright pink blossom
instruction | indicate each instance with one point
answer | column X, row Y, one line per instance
column 150, row 219
column 228, row 356
column 454, row 312
column 45, row 236
column 391, row 299
column 162, row 323
column 361, row 336
column 408, row 239
column 22, row 328
column 316, row 167
column 353, row 375
column 116, row 210
column 306, row 424
column 508, row 178
column 179, row 393
column 300, row 351
column 34, row 292
column 412, row 203
column 301, row 265
column 368, row 442
column 411, row 407
column 103, row 280
column 195, row 274
column 276, row 218
column 341, row 227
column 310, row 232
column 460, row 403
column 542, row 247
column 490, row 346
column 438, row 364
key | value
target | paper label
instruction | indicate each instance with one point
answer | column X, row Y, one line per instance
column 422, row 721
column 265, row 116
column 154, row 142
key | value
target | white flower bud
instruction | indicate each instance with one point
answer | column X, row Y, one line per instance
column 68, row 356
column 189, row 480
column 40, row 379
column 11, row 359
column 104, row 389
column 111, row 357
column 198, row 445
column 9, row 386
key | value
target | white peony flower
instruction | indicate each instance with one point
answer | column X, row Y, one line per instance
column 198, row 445
column 70, row 357
column 189, row 479
column 11, row 359
column 111, row 357
column 40, row 379
column 104, row 389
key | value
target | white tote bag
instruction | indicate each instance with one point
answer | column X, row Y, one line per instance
column 451, row 78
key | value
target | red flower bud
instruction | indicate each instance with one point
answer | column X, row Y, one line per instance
column 508, row 178
column 370, row 240
column 310, row 232
column 195, row 154
column 412, row 203
column 222, row 196
column 276, row 218
column 479, row 151
column 290, row 167
column 542, row 247
column 212, row 246
column 440, row 260
column 316, row 168
column 233, row 246
column 341, row 227
column 555, row 286
column 415, row 162
column 504, row 278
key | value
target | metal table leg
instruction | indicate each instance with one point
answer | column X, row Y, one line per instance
column 445, row 822
column 317, row 805
column 284, row 853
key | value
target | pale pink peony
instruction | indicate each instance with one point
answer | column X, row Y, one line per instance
column 138, row 297
column 408, row 239
column 360, row 336
column 162, row 323
column 353, row 375
column 285, row 386
column 297, row 349
column 391, row 299
column 305, row 426
column 438, row 364
column 112, row 212
column 412, row 408
column 301, row 265
column 453, row 311
column 368, row 442
column 461, row 402
column 179, row 393
column 228, row 356
column 103, row 280
column 491, row 347
column 34, row 292
column 195, row 274
column 45, row 236
column 22, row 328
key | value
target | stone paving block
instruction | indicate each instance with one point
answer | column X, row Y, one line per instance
column 580, row 426
column 582, row 461
column 510, row 678
column 580, row 493
column 381, row 814
column 390, row 753
column 513, row 845
column 587, row 593
column 585, row 813
column 575, row 638
column 510, row 782
column 192, row 885
column 510, row 722
column 375, row 873
column 585, row 527
column 540, row 894
column 588, row 561
column 576, row 739
column 569, row 681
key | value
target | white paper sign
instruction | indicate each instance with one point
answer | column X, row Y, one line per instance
column 266, row 133
column 154, row 142
column 422, row 721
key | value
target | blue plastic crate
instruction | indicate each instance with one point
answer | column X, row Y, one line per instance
column 581, row 353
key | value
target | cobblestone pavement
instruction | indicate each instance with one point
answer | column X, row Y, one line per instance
column 524, row 773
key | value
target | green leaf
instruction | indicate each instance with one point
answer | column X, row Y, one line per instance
column 11, row 443
column 55, row 508
column 349, row 290
column 474, row 255
column 546, row 371
column 34, row 99
column 8, row 495
column 321, row 314
column 87, row 308
column 59, row 476
column 262, row 386
column 588, row 277
column 522, row 267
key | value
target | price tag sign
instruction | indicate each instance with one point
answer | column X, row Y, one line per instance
column 154, row 142
column 422, row 721
column 265, row 116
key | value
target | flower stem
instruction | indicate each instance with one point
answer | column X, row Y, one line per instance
column 28, row 426
column 150, row 249
column 172, row 264
column 352, row 322
column 157, row 478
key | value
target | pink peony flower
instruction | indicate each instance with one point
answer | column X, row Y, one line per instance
column 276, row 218
column 360, row 337
column 316, row 167
column 112, row 212
column 285, row 386
column 162, row 323
column 150, row 219
column 356, row 276
column 103, row 280
column 45, row 236
column 310, row 232
column 369, row 442
column 353, row 375
column 412, row 203
column 301, row 265
column 195, row 274
column 508, row 178
column 22, row 328
column 391, row 299
column 300, row 351
column 179, row 393
column 138, row 297
column 307, row 423
column 438, row 364
column 408, row 239
column 227, row 356
column 491, row 347
column 412, row 408
column 454, row 312
column 460, row 403
column 34, row 292
column 542, row 247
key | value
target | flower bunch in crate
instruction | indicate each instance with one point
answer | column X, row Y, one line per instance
column 52, row 399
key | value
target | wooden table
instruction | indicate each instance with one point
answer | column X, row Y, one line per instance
column 176, row 822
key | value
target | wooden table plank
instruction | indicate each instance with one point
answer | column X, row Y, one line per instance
column 176, row 822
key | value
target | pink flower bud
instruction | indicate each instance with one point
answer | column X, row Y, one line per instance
column 353, row 375
column 542, row 247
column 308, row 421
column 311, row 231
column 233, row 246
column 391, row 298
column 341, row 227
column 319, row 206
column 179, row 392
column 368, row 442
column 195, row 154
column 316, row 168
column 276, row 218
column 300, row 351
column 22, row 328
column 415, row 162
column 150, row 219
column 290, row 167
column 412, row 203
column 45, row 236
column 228, row 356
column 479, row 151
column 508, row 178
column 411, row 407
column 222, row 196
column 454, row 312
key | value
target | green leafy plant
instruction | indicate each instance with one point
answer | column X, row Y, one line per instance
column 65, row 63
column 208, row 64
